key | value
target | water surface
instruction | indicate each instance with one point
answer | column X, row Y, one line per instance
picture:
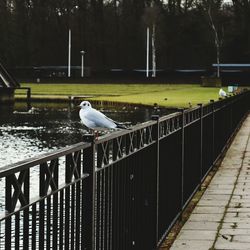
column 51, row 126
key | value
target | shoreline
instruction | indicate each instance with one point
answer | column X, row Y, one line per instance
column 68, row 99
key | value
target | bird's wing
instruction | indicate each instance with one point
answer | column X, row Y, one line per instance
column 118, row 124
column 98, row 119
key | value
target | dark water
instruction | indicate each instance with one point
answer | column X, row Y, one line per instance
column 50, row 126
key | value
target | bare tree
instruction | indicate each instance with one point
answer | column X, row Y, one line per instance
column 150, row 18
column 153, row 52
column 217, row 40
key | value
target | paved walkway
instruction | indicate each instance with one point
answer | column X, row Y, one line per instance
column 221, row 219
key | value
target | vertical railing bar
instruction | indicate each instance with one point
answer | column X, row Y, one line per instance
column 72, row 216
column 41, row 208
column 1, row 234
column 61, row 220
column 121, row 186
column 67, row 217
column 26, row 211
column 17, row 230
column 118, row 202
column 107, row 153
column 41, row 225
column 213, row 131
column 78, row 203
column 90, row 192
column 108, row 208
column 34, row 228
column 78, row 208
column 133, row 180
column 119, row 197
column 231, row 116
column 48, row 222
column 201, row 144
column 114, row 205
column 126, row 207
column 111, row 208
column 182, row 160
column 8, row 204
column 68, row 179
column 83, row 226
column 99, row 215
column 55, row 210
column 157, row 167
column 97, row 210
column 100, row 155
column 26, row 228
column 104, row 209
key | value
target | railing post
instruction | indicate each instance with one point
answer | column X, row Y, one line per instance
column 156, row 137
column 8, row 202
column 89, row 194
column 201, row 143
column 231, row 117
column 213, row 128
column 182, row 160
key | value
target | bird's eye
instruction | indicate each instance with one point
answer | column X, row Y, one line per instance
column 84, row 104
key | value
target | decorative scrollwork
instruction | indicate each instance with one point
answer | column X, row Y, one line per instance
column 103, row 154
column 208, row 109
column 73, row 166
column 192, row 116
column 116, row 148
column 170, row 125
column 21, row 190
column 48, row 176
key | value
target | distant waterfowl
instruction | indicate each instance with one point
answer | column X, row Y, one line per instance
column 222, row 93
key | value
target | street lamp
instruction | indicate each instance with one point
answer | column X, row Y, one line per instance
column 69, row 54
column 82, row 66
column 147, row 54
column 70, row 12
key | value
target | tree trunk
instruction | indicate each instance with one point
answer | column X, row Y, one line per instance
column 218, row 61
column 153, row 52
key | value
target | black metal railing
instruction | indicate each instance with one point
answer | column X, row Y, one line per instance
column 123, row 191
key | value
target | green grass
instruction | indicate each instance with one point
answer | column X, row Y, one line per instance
column 169, row 95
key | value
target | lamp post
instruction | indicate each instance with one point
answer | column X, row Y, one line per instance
column 147, row 54
column 69, row 54
column 70, row 13
column 82, row 65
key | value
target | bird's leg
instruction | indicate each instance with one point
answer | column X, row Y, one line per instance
column 95, row 133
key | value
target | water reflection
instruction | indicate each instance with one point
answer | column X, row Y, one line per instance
column 46, row 128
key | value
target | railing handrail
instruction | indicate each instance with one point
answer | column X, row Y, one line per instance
column 37, row 160
column 21, row 165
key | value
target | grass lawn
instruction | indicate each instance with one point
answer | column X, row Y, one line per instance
column 169, row 95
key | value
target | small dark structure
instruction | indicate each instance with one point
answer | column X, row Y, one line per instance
column 8, row 84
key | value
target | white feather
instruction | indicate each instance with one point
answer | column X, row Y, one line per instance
column 94, row 119
column 222, row 93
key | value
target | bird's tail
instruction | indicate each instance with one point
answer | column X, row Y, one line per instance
column 122, row 125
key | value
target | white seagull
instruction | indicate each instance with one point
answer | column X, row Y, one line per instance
column 222, row 93
column 96, row 120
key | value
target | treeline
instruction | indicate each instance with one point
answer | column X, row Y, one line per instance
column 113, row 32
